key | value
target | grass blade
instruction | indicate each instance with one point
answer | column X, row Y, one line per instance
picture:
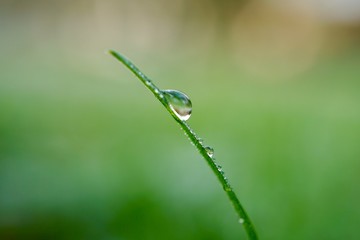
column 243, row 217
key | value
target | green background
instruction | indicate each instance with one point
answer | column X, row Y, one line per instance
column 86, row 151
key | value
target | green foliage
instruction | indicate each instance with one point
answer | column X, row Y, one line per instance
column 79, row 161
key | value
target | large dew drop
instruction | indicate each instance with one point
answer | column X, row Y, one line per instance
column 179, row 103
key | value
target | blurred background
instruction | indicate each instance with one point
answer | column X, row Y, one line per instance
column 86, row 151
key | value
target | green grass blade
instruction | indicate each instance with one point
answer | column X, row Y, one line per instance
column 243, row 217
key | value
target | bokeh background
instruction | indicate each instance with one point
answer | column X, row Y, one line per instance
column 86, row 151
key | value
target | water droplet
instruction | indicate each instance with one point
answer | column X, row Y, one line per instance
column 219, row 167
column 241, row 220
column 209, row 151
column 179, row 103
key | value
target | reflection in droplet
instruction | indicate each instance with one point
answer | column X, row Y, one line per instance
column 179, row 103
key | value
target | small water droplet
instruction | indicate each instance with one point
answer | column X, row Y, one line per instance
column 241, row 220
column 179, row 103
column 142, row 75
column 209, row 151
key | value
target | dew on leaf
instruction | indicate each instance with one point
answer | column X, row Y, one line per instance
column 179, row 103
column 209, row 151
